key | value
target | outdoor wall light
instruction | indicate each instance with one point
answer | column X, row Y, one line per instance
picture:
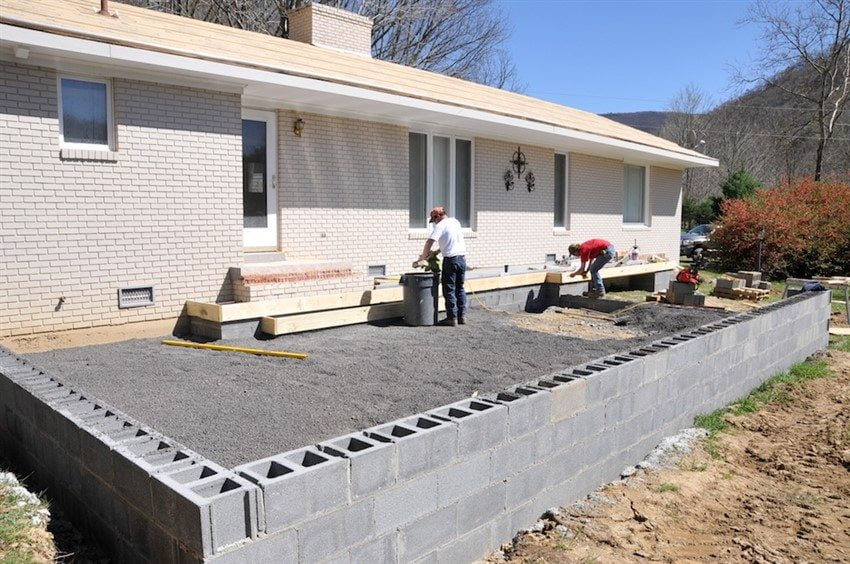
column 529, row 181
column 509, row 180
column 298, row 127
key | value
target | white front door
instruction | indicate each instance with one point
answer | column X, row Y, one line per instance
column 259, row 179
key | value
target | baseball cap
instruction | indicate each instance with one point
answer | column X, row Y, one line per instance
column 437, row 212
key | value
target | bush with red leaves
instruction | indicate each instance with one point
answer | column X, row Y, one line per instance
column 806, row 228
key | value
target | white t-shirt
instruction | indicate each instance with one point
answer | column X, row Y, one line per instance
column 448, row 234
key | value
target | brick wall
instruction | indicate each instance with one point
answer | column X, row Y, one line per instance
column 344, row 196
column 319, row 24
column 166, row 213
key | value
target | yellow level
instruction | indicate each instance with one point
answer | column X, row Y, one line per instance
column 263, row 352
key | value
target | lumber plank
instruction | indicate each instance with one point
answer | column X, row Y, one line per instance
column 334, row 318
column 613, row 272
column 840, row 331
column 210, row 312
column 499, row 282
column 223, row 313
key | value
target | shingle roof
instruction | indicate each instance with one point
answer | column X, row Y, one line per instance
column 156, row 31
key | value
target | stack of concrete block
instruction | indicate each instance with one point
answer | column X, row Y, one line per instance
column 729, row 283
column 678, row 291
column 751, row 277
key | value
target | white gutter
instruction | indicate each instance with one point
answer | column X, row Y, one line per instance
column 286, row 87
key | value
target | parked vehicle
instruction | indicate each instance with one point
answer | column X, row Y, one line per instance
column 696, row 238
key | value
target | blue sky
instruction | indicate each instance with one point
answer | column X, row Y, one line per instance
column 626, row 56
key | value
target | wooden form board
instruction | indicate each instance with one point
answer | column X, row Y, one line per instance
column 223, row 313
column 333, row 318
column 613, row 272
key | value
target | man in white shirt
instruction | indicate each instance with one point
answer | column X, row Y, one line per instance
column 448, row 234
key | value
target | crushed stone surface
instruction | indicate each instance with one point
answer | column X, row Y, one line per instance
column 234, row 408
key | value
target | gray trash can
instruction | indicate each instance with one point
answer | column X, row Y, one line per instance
column 420, row 298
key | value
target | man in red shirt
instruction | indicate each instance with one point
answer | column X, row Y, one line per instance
column 600, row 252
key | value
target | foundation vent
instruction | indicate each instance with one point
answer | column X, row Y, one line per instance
column 377, row 270
column 551, row 258
column 135, row 296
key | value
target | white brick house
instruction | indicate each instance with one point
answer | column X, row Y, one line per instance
column 197, row 146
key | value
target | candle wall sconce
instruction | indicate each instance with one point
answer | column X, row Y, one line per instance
column 509, row 180
column 529, row 181
column 298, row 127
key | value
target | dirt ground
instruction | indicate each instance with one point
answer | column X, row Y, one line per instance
column 234, row 408
column 776, row 490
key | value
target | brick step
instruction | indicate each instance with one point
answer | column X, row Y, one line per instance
column 257, row 280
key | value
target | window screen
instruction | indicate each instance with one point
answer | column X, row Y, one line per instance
column 634, row 194
column 84, row 112
column 560, row 190
column 418, row 178
column 463, row 182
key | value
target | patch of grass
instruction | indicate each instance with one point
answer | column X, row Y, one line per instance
column 804, row 499
column 15, row 527
column 713, row 448
column 667, row 487
column 712, row 422
column 692, row 466
column 630, row 295
column 728, row 474
column 841, row 343
column 562, row 546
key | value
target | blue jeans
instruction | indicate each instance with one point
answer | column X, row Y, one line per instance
column 598, row 263
column 454, row 274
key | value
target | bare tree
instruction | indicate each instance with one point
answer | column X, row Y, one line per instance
column 685, row 125
column 458, row 38
column 813, row 37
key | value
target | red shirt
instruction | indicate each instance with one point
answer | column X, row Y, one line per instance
column 592, row 249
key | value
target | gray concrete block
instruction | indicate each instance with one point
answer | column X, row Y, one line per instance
column 421, row 443
column 528, row 409
column 383, row 549
column 297, row 484
column 568, row 399
column 513, row 457
column 468, row 548
column 481, row 507
column 526, row 485
column 405, row 503
column 500, row 531
column 150, row 541
column 330, row 533
column 280, row 547
column 481, row 425
column 424, row 535
column 464, row 478
column 206, row 506
column 371, row 463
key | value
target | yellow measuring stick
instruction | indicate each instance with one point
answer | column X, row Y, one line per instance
column 300, row 356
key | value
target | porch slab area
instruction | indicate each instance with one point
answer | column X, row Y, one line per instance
column 234, row 408
column 550, row 417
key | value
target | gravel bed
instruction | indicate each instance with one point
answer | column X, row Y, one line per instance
column 234, row 408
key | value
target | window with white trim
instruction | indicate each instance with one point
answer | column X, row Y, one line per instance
column 562, row 215
column 85, row 113
column 634, row 194
column 440, row 174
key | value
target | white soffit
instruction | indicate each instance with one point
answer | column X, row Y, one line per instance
column 262, row 88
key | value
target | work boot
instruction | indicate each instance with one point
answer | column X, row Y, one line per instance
column 461, row 321
column 448, row 322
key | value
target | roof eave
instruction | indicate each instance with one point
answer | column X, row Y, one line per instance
column 282, row 90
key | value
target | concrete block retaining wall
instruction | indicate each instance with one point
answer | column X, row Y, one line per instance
column 443, row 486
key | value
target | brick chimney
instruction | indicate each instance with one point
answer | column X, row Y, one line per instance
column 325, row 26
